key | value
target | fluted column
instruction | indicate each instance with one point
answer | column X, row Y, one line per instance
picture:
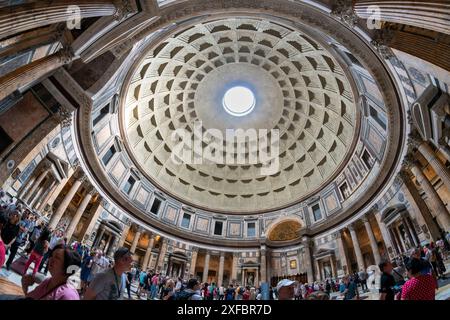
column 27, row 74
column 124, row 235
column 423, row 208
column 358, row 253
column 333, row 267
column 384, row 231
column 112, row 246
column 409, row 231
column 79, row 213
column 308, row 259
column 162, row 254
column 372, row 240
column 16, row 19
column 148, row 252
column 206, row 267
column 40, row 178
column 234, row 266
column 26, row 186
column 193, row 261
column 57, row 215
column 136, row 240
column 93, row 219
column 47, row 195
column 397, row 247
column 425, row 149
column 440, row 210
column 263, row 265
column 342, row 252
column 39, row 193
column 221, row 265
column 432, row 15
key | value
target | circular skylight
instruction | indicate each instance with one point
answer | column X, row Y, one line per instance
column 239, row 101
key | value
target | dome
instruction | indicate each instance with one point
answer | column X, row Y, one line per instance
column 173, row 101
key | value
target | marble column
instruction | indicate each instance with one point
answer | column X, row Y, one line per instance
column 440, row 211
column 17, row 19
column 399, row 236
column 412, row 229
column 29, row 195
column 409, row 231
column 112, row 246
column 148, row 252
column 221, row 265
column 162, row 254
column 193, row 262
column 206, row 267
column 432, row 15
column 44, row 186
column 440, row 169
column 90, row 224
column 263, row 265
column 46, row 196
column 98, row 240
column 345, row 265
column 26, row 186
column 384, row 231
column 57, row 215
column 333, row 267
column 79, row 213
column 372, row 240
column 234, row 266
column 422, row 207
column 397, row 248
column 308, row 259
column 318, row 270
column 124, row 235
column 32, row 72
column 136, row 240
column 358, row 253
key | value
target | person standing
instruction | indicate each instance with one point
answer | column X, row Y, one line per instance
column 55, row 240
column 100, row 263
column 221, row 292
column 351, row 289
column 10, row 230
column 24, row 225
column 39, row 249
column 419, row 286
column 230, row 293
column 86, row 268
column 128, row 280
column 387, row 281
column 154, row 288
column 107, row 285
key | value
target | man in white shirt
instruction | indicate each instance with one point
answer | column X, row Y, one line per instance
column 100, row 263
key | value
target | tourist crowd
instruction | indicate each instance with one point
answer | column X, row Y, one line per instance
column 102, row 278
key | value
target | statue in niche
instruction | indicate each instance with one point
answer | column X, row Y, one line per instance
column 250, row 279
column 407, row 242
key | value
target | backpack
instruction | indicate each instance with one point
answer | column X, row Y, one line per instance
column 182, row 295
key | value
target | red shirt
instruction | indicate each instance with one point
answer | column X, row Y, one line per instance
column 422, row 287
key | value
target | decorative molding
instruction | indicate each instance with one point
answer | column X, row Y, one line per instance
column 381, row 42
column 124, row 9
column 64, row 116
column 344, row 11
